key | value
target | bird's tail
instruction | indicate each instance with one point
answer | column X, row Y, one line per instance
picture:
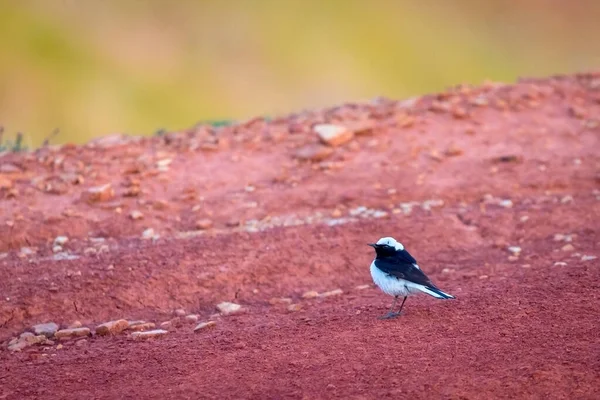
column 435, row 292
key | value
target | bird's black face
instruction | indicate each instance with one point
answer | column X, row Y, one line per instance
column 383, row 250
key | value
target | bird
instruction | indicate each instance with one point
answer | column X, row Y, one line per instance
column 397, row 274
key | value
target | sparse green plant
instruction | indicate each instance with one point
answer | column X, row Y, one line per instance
column 9, row 145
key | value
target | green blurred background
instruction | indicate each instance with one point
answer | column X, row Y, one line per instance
column 97, row 67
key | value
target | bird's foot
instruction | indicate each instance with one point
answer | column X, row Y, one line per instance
column 390, row 315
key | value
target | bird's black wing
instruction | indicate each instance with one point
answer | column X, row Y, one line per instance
column 405, row 256
column 401, row 269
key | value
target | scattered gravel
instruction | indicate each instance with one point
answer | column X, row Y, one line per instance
column 310, row 294
column 135, row 215
column 60, row 240
column 568, row 247
column 515, row 250
column 62, row 256
column 98, row 193
column 148, row 334
column 280, row 300
column 429, row 204
column 149, row 234
column 180, row 312
column 47, row 329
column 191, row 318
column 72, row 332
column 313, row 152
column 112, row 327
column 335, row 292
column 566, row 199
column 204, row 224
column 26, row 251
column 505, row 203
column 166, row 324
column 333, row 135
column 144, row 326
column 559, row 237
column 226, row 308
column 205, row 325
column 489, row 199
column 75, row 324
column 25, row 340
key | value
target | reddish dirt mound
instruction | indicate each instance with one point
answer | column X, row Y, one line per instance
column 494, row 189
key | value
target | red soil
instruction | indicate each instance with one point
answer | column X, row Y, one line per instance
column 524, row 324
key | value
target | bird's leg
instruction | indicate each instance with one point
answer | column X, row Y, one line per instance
column 390, row 313
column 402, row 305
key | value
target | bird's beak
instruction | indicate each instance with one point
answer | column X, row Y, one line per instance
column 374, row 245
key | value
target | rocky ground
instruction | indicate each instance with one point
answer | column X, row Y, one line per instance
column 231, row 262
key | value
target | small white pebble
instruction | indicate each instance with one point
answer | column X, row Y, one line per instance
column 227, row 308
column 577, row 161
column 506, row 203
column 164, row 163
column 560, row 264
column 428, row 204
column 379, row 214
column 358, row 210
column 566, row 199
column 588, row 258
column 135, row 215
column 56, row 249
column 568, row 247
column 332, row 293
column 204, row 325
column 61, row 240
column 149, row 234
column 516, row 250
column 148, row 334
column 524, row 218
column 191, row 318
column 311, row 294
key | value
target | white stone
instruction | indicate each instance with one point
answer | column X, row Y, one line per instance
column 60, row 240
column 333, row 135
column 516, row 250
column 227, row 308
column 148, row 334
column 204, row 325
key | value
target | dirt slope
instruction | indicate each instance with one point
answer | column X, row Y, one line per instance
column 493, row 189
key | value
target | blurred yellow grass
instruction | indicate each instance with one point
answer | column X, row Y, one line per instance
column 92, row 68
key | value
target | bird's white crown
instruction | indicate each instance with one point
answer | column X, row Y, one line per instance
column 390, row 241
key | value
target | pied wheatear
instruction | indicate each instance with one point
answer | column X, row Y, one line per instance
column 397, row 273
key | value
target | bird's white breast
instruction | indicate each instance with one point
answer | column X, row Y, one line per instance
column 390, row 284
